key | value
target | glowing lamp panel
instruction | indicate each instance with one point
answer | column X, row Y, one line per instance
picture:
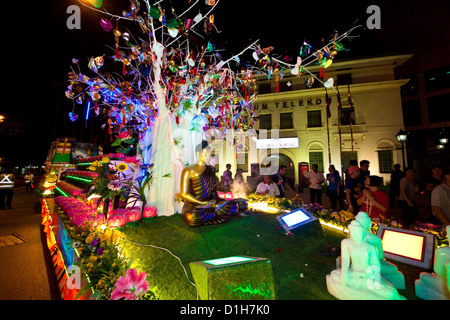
column 403, row 244
column 407, row 246
column 295, row 219
column 228, row 260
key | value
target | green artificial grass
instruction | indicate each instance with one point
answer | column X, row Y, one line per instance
column 300, row 262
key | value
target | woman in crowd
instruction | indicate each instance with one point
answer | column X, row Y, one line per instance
column 373, row 201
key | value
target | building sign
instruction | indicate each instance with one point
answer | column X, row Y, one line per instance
column 282, row 143
column 310, row 102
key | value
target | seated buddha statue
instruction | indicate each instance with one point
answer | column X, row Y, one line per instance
column 436, row 286
column 359, row 276
column 198, row 190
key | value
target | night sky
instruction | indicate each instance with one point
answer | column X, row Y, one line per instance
column 39, row 48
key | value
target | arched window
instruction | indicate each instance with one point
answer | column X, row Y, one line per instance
column 315, row 152
column 385, row 151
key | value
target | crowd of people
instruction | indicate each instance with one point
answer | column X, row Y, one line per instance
column 363, row 192
column 358, row 190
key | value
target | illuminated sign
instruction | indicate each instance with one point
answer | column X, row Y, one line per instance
column 410, row 247
column 281, row 143
column 295, row 219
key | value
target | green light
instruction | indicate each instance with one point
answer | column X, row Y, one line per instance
column 249, row 292
column 229, row 260
column 80, row 179
column 62, row 192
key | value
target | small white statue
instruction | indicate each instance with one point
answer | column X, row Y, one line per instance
column 436, row 286
column 389, row 271
column 359, row 277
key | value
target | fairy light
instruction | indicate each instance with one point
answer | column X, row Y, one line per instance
column 87, row 109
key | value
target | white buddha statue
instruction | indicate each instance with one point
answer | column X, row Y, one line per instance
column 389, row 271
column 359, row 276
column 436, row 286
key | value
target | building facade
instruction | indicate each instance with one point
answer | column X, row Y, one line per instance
column 294, row 127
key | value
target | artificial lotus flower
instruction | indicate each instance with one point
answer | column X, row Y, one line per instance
column 150, row 212
column 133, row 214
column 124, row 135
column 131, row 287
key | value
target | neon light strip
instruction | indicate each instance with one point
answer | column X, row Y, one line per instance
column 333, row 226
column 62, row 192
column 80, row 179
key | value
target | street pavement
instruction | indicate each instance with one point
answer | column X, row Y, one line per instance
column 26, row 271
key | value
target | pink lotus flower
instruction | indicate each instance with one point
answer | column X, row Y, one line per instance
column 124, row 136
column 117, row 220
column 133, row 215
column 131, row 287
column 150, row 212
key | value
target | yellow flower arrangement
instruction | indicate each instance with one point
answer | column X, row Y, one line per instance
column 105, row 159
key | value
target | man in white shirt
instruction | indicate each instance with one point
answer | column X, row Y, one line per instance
column 267, row 187
column 440, row 200
column 315, row 178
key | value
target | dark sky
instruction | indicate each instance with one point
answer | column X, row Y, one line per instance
column 39, row 47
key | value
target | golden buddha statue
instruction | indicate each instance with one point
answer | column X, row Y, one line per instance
column 202, row 205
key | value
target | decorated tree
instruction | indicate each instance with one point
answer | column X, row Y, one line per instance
column 174, row 88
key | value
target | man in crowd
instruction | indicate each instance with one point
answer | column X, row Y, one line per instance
column 279, row 179
column 315, row 179
column 440, row 200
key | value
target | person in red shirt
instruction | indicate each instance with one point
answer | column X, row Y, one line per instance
column 373, row 201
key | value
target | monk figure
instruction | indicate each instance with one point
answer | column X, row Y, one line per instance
column 202, row 205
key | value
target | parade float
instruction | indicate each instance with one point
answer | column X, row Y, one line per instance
column 130, row 224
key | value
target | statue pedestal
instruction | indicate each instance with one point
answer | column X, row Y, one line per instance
column 360, row 288
column 389, row 272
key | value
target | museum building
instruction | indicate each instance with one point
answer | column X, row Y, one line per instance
column 295, row 127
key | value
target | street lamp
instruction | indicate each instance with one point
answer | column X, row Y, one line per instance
column 402, row 137
column 442, row 143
